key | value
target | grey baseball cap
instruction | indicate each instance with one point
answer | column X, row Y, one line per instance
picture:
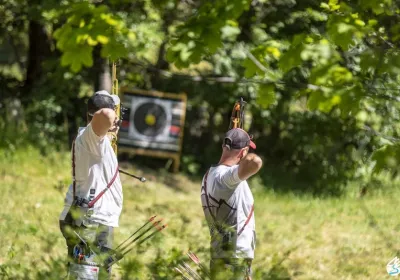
column 237, row 138
column 102, row 99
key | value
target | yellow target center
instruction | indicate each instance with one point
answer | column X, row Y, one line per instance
column 150, row 119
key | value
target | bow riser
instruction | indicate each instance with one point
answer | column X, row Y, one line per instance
column 237, row 117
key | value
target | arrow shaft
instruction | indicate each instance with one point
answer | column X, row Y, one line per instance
column 142, row 179
column 150, row 220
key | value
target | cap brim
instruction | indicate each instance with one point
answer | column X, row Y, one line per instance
column 116, row 99
column 252, row 145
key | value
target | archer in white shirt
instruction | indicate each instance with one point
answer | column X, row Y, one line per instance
column 228, row 206
column 95, row 166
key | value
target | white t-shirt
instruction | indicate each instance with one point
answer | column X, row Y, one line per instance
column 230, row 200
column 95, row 166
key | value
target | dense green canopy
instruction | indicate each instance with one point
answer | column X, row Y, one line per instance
column 321, row 77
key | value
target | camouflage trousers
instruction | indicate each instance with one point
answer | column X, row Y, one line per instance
column 104, row 237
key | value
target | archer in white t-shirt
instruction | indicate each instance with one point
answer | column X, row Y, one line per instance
column 94, row 167
column 228, row 207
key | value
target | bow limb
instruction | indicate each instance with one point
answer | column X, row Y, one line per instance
column 114, row 91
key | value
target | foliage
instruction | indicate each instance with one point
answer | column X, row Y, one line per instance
column 320, row 163
column 339, row 55
column 203, row 33
column 88, row 25
column 331, row 66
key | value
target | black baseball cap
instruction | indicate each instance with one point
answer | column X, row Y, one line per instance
column 101, row 99
column 237, row 138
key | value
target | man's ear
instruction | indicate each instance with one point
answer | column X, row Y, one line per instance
column 247, row 151
column 243, row 152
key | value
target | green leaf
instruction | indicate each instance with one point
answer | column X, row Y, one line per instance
column 114, row 50
column 213, row 42
column 320, row 52
column 171, row 55
column 359, row 22
column 196, row 56
column 372, row 22
column 292, row 58
column 266, row 95
column 76, row 58
column 185, row 54
column 351, row 98
column 325, row 6
column 275, row 52
column 323, row 101
column 386, row 158
column 250, row 68
column 103, row 39
column 368, row 61
column 342, row 34
column 315, row 98
column 91, row 42
column 345, row 30
column 109, row 19
column 375, row 5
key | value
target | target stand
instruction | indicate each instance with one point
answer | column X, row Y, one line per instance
column 153, row 124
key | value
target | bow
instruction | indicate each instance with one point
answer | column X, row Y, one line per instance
column 237, row 117
column 119, row 110
column 114, row 91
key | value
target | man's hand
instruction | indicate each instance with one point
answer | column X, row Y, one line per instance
column 103, row 120
column 113, row 132
column 115, row 127
column 249, row 165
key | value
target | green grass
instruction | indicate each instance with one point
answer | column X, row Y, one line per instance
column 297, row 237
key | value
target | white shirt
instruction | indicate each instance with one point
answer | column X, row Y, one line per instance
column 230, row 201
column 95, row 166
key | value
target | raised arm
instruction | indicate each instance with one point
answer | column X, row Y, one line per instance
column 102, row 121
column 249, row 166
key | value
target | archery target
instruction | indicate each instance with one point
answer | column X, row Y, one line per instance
column 152, row 122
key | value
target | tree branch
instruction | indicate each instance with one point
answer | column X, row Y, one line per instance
column 256, row 61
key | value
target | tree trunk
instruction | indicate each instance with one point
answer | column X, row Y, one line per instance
column 162, row 64
column 39, row 49
column 101, row 71
column 245, row 25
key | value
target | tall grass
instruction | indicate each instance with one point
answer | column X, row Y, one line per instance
column 298, row 237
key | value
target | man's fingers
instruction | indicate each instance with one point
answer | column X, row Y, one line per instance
column 114, row 128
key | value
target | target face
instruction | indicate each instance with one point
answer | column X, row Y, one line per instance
column 152, row 122
column 150, row 119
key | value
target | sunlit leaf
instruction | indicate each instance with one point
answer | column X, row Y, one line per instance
column 103, row 39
